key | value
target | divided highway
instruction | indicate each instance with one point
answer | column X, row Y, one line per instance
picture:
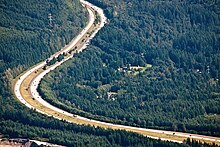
column 25, row 88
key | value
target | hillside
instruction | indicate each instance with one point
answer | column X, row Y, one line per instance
column 156, row 65
column 26, row 34
column 27, row 38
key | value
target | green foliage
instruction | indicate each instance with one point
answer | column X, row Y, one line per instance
column 60, row 57
column 25, row 39
column 195, row 143
column 179, row 92
column 55, row 59
column 18, row 121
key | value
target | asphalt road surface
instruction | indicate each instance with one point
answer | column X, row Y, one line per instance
column 35, row 82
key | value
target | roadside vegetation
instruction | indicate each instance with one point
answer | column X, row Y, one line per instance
column 180, row 91
column 27, row 38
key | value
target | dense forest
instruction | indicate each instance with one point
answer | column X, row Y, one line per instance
column 27, row 37
column 156, row 64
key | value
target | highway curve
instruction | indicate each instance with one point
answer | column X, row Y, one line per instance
column 25, row 87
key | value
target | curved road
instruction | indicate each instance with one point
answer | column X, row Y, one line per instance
column 25, row 88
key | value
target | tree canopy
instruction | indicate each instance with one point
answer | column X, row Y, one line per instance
column 156, row 64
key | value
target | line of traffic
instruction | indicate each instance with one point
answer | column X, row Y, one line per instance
column 35, row 83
